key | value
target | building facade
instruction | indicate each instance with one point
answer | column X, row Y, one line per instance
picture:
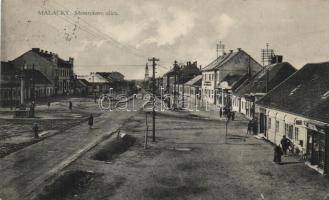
column 299, row 109
column 222, row 74
column 57, row 70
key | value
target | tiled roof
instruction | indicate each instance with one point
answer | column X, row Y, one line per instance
column 221, row 60
column 49, row 55
column 304, row 93
column 36, row 76
column 96, row 78
column 195, row 81
column 82, row 83
column 112, row 76
column 276, row 74
column 9, row 76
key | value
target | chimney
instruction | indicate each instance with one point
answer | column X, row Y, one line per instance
column 36, row 50
column 276, row 59
column 71, row 60
column 200, row 67
column 231, row 51
column 54, row 57
column 195, row 63
column 239, row 49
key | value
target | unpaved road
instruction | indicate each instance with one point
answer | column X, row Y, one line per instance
column 190, row 160
column 26, row 171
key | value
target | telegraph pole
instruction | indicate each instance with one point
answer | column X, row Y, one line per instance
column 175, row 82
column 153, row 91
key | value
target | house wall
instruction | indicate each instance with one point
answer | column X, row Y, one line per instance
column 192, row 99
column 59, row 76
column 208, row 86
column 240, row 64
column 41, row 64
column 277, row 122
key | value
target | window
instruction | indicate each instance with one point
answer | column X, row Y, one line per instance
column 269, row 123
column 277, row 124
column 296, row 133
column 290, row 131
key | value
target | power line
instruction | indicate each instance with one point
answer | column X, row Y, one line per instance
column 108, row 37
column 114, row 65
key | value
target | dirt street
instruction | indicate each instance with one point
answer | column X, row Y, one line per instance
column 189, row 160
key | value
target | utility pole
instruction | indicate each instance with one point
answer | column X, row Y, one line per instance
column 33, row 83
column 175, row 83
column 153, row 92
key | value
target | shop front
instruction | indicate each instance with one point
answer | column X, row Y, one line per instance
column 317, row 152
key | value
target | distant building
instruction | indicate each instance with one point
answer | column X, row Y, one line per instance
column 57, row 70
column 192, row 91
column 112, row 77
column 81, row 87
column 115, row 80
column 299, row 109
column 98, row 84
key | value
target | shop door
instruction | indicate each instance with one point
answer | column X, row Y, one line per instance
column 262, row 123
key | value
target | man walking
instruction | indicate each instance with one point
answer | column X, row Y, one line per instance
column 285, row 144
column 91, row 121
column 250, row 127
column 70, row 105
column 35, row 128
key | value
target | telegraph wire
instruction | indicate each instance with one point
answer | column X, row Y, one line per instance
column 107, row 36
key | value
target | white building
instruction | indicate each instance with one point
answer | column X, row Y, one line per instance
column 229, row 66
column 299, row 109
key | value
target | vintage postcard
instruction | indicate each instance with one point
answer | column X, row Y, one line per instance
column 164, row 100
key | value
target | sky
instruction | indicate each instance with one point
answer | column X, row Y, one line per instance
column 123, row 35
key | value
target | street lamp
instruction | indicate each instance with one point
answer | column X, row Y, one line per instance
column 21, row 76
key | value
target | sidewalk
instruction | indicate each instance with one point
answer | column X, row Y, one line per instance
column 26, row 170
column 209, row 113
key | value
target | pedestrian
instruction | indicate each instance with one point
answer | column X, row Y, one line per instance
column 233, row 116
column 250, row 127
column 48, row 103
column 285, row 143
column 70, row 105
column 220, row 112
column 277, row 154
column 35, row 129
column 255, row 126
column 90, row 120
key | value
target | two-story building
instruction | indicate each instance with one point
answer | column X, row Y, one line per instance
column 57, row 70
column 225, row 73
column 299, row 109
column 244, row 98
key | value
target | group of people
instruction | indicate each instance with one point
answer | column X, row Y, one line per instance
column 281, row 149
